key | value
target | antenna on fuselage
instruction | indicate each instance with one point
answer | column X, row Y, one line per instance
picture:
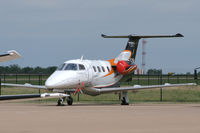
column 82, row 57
column 134, row 39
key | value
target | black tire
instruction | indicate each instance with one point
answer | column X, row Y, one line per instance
column 59, row 103
column 69, row 100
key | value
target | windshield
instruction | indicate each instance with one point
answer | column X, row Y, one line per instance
column 71, row 66
column 60, row 67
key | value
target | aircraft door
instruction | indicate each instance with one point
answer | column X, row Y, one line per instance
column 82, row 74
column 90, row 74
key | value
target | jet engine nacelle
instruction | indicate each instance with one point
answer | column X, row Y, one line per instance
column 125, row 67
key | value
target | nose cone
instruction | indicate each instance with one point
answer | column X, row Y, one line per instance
column 52, row 83
column 62, row 79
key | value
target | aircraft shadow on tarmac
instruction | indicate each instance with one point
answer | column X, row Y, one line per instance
column 110, row 104
column 83, row 104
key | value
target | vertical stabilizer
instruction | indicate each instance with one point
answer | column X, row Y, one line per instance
column 133, row 41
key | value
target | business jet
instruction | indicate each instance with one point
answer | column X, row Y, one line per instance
column 95, row 77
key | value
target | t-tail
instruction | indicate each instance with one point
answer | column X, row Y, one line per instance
column 133, row 40
column 129, row 54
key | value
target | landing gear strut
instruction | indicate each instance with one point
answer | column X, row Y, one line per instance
column 124, row 98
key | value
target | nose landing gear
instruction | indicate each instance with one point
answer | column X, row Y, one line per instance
column 61, row 101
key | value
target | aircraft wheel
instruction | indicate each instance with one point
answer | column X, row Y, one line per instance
column 60, row 102
column 69, row 100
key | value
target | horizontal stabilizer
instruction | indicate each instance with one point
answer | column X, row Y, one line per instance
column 144, row 36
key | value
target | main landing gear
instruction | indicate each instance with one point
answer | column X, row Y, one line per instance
column 123, row 96
column 69, row 100
column 61, row 100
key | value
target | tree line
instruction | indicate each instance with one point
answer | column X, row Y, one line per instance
column 12, row 69
column 154, row 72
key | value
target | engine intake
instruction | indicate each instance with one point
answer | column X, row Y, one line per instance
column 126, row 67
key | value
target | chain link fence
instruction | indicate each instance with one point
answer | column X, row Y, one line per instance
column 39, row 79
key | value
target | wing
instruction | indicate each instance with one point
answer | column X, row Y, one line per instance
column 33, row 96
column 25, row 85
column 11, row 55
column 138, row 87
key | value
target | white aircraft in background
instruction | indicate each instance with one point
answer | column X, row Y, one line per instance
column 95, row 77
column 11, row 55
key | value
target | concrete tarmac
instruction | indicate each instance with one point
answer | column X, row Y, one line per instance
column 91, row 118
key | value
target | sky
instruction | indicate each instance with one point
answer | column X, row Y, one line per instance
column 49, row 32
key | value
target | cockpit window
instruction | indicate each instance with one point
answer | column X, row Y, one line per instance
column 71, row 66
column 81, row 67
column 60, row 67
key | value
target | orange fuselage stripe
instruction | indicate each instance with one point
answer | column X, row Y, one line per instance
column 111, row 72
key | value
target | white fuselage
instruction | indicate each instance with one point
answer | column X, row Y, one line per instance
column 88, row 74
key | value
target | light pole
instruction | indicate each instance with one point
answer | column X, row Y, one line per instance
column 195, row 73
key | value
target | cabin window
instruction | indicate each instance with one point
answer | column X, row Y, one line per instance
column 71, row 66
column 108, row 69
column 94, row 68
column 103, row 69
column 60, row 67
column 98, row 68
column 81, row 67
